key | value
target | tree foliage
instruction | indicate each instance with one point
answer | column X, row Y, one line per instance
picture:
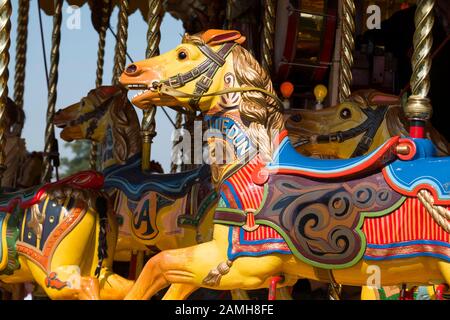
column 80, row 160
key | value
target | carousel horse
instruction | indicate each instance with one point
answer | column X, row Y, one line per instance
column 281, row 213
column 355, row 127
column 165, row 211
column 178, row 207
column 15, row 150
column 29, row 175
column 62, row 236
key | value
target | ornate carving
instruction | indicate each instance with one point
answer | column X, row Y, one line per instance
column 322, row 218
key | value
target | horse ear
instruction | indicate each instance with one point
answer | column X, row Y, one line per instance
column 214, row 37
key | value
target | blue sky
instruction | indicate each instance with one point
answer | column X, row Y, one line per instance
column 78, row 67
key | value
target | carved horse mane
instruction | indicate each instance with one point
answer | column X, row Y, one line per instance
column 256, row 109
column 125, row 126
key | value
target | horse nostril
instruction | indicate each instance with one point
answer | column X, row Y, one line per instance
column 132, row 68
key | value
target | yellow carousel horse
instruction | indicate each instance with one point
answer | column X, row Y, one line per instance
column 165, row 211
column 56, row 235
column 281, row 213
column 179, row 219
column 355, row 127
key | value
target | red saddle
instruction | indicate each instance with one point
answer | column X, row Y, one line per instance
column 26, row 198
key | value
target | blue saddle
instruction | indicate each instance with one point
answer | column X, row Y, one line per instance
column 290, row 161
column 133, row 182
column 425, row 170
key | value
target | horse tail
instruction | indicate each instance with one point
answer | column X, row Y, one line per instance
column 101, row 204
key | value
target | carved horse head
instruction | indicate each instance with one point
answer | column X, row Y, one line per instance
column 106, row 116
column 354, row 127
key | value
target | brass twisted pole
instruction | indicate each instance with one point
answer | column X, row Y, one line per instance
column 21, row 51
column 99, row 74
column 50, row 139
column 268, row 34
column 121, row 45
column 148, row 126
column 347, row 47
column 418, row 108
column 5, row 42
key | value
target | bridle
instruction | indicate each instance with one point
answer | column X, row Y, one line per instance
column 206, row 71
column 369, row 127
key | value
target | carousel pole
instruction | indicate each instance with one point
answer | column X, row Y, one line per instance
column 418, row 109
column 100, row 66
column 50, row 139
column 347, row 47
column 268, row 34
column 345, row 80
column 121, row 45
column 21, row 51
column 229, row 11
column 148, row 126
column 5, row 41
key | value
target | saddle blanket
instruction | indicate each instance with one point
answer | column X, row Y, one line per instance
column 408, row 232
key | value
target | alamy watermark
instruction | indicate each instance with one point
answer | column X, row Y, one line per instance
column 73, row 20
column 373, row 17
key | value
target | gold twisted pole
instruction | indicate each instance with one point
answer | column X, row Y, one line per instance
column 148, row 126
column 121, row 45
column 268, row 34
column 21, row 51
column 418, row 108
column 52, row 91
column 100, row 66
column 5, row 42
column 347, row 47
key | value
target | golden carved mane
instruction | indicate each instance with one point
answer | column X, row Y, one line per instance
column 260, row 113
column 125, row 128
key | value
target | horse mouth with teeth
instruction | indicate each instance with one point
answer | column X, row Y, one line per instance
column 135, row 77
column 62, row 120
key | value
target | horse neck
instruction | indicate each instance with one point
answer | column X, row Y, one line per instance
column 250, row 143
column 112, row 151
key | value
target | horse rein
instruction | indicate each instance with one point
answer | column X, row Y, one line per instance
column 207, row 70
column 370, row 127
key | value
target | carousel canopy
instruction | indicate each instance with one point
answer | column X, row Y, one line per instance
column 196, row 15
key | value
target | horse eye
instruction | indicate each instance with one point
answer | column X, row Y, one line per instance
column 182, row 55
column 345, row 113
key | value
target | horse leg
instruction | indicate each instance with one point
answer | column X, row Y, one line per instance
column 205, row 265
column 369, row 293
column 113, row 286
column 444, row 267
column 179, row 291
column 58, row 289
column 89, row 289
column 238, row 294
